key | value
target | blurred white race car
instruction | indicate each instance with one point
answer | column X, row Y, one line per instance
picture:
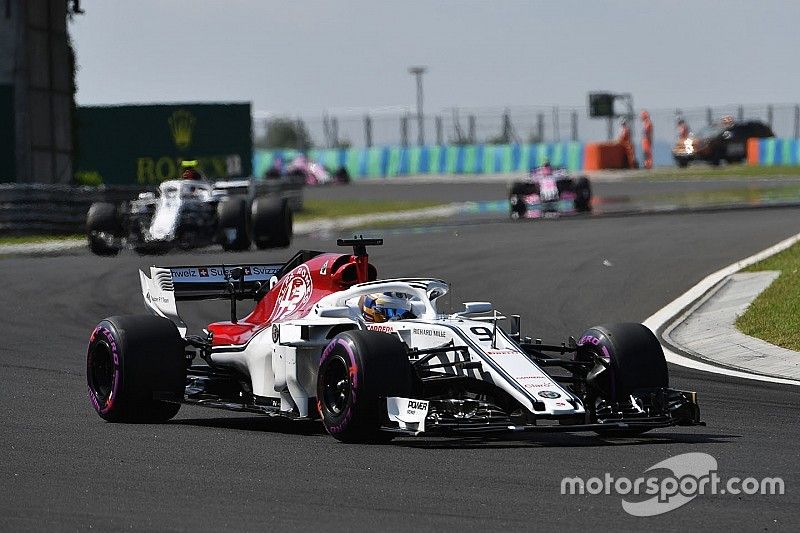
column 190, row 213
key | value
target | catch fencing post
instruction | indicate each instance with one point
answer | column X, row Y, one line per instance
column 540, row 127
column 367, row 131
column 709, row 116
column 335, row 131
column 404, row 130
column 574, row 126
column 326, row 130
column 556, row 125
column 796, row 121
column 740, row 117
column 439, row 131
column 769, row 115
column 471, row 128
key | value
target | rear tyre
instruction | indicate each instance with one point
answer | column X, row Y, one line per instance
column 357, row 371
column 102, row 226
column 342, row 176
column 635, row 359
column 233, row 224
column 272, row 223
column 130, row 359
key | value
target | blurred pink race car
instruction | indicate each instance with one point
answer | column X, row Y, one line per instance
column 549, row 192
column 312, row 172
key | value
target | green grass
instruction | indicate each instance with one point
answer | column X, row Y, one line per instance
column 328, row 209
column 702, row 172
column 775, row 315
column 33, row 239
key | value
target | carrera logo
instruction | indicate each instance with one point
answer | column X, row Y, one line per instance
column 381, row 328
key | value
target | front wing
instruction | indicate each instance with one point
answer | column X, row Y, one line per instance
column 666, row 407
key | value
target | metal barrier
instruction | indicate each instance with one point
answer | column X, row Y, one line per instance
column 33, row 208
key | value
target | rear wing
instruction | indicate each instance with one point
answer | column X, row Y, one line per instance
column 165, row 286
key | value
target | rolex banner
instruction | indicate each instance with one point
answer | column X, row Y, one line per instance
column 145, row 144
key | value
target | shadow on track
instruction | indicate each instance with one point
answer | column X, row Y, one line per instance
column 263, row 424
column 564, row 440
column 540, row 440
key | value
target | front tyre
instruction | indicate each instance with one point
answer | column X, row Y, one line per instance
column 583, row 195
column 357, row 371
column 102, row 227
column 633, row 360
column 130, row 360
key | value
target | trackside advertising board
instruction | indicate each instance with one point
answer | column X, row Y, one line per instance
column 145, row 144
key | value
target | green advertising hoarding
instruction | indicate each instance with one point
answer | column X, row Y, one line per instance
column 145, row 144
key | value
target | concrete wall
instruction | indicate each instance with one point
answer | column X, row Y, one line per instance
column 34, row 59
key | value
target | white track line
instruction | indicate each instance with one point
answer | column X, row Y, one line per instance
column 665, row 315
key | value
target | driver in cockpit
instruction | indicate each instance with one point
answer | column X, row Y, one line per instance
column 385, row 306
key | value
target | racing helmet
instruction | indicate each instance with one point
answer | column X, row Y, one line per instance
column 191, row 174
column 190, row 171
column 385, row 306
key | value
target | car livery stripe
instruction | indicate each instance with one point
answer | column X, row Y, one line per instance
column 499, row 369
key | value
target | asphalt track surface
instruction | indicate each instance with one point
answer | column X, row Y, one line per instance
column 63, row 468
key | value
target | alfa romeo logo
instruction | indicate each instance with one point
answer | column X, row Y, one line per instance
column 295, row 293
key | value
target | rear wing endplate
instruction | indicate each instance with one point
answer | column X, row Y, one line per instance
column 165, row 286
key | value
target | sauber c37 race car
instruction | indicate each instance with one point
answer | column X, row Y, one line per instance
column 370, row 358
column 549, row 192
column 188, row 214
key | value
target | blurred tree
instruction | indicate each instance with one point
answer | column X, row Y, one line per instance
column 286, row 133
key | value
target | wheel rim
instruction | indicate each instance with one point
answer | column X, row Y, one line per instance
column 336, row 386
column 101, row 371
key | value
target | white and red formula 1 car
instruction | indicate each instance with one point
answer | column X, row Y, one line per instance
column 312, row 348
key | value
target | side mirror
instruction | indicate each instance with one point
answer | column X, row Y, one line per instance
column 335, row 312
column 474, row 308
